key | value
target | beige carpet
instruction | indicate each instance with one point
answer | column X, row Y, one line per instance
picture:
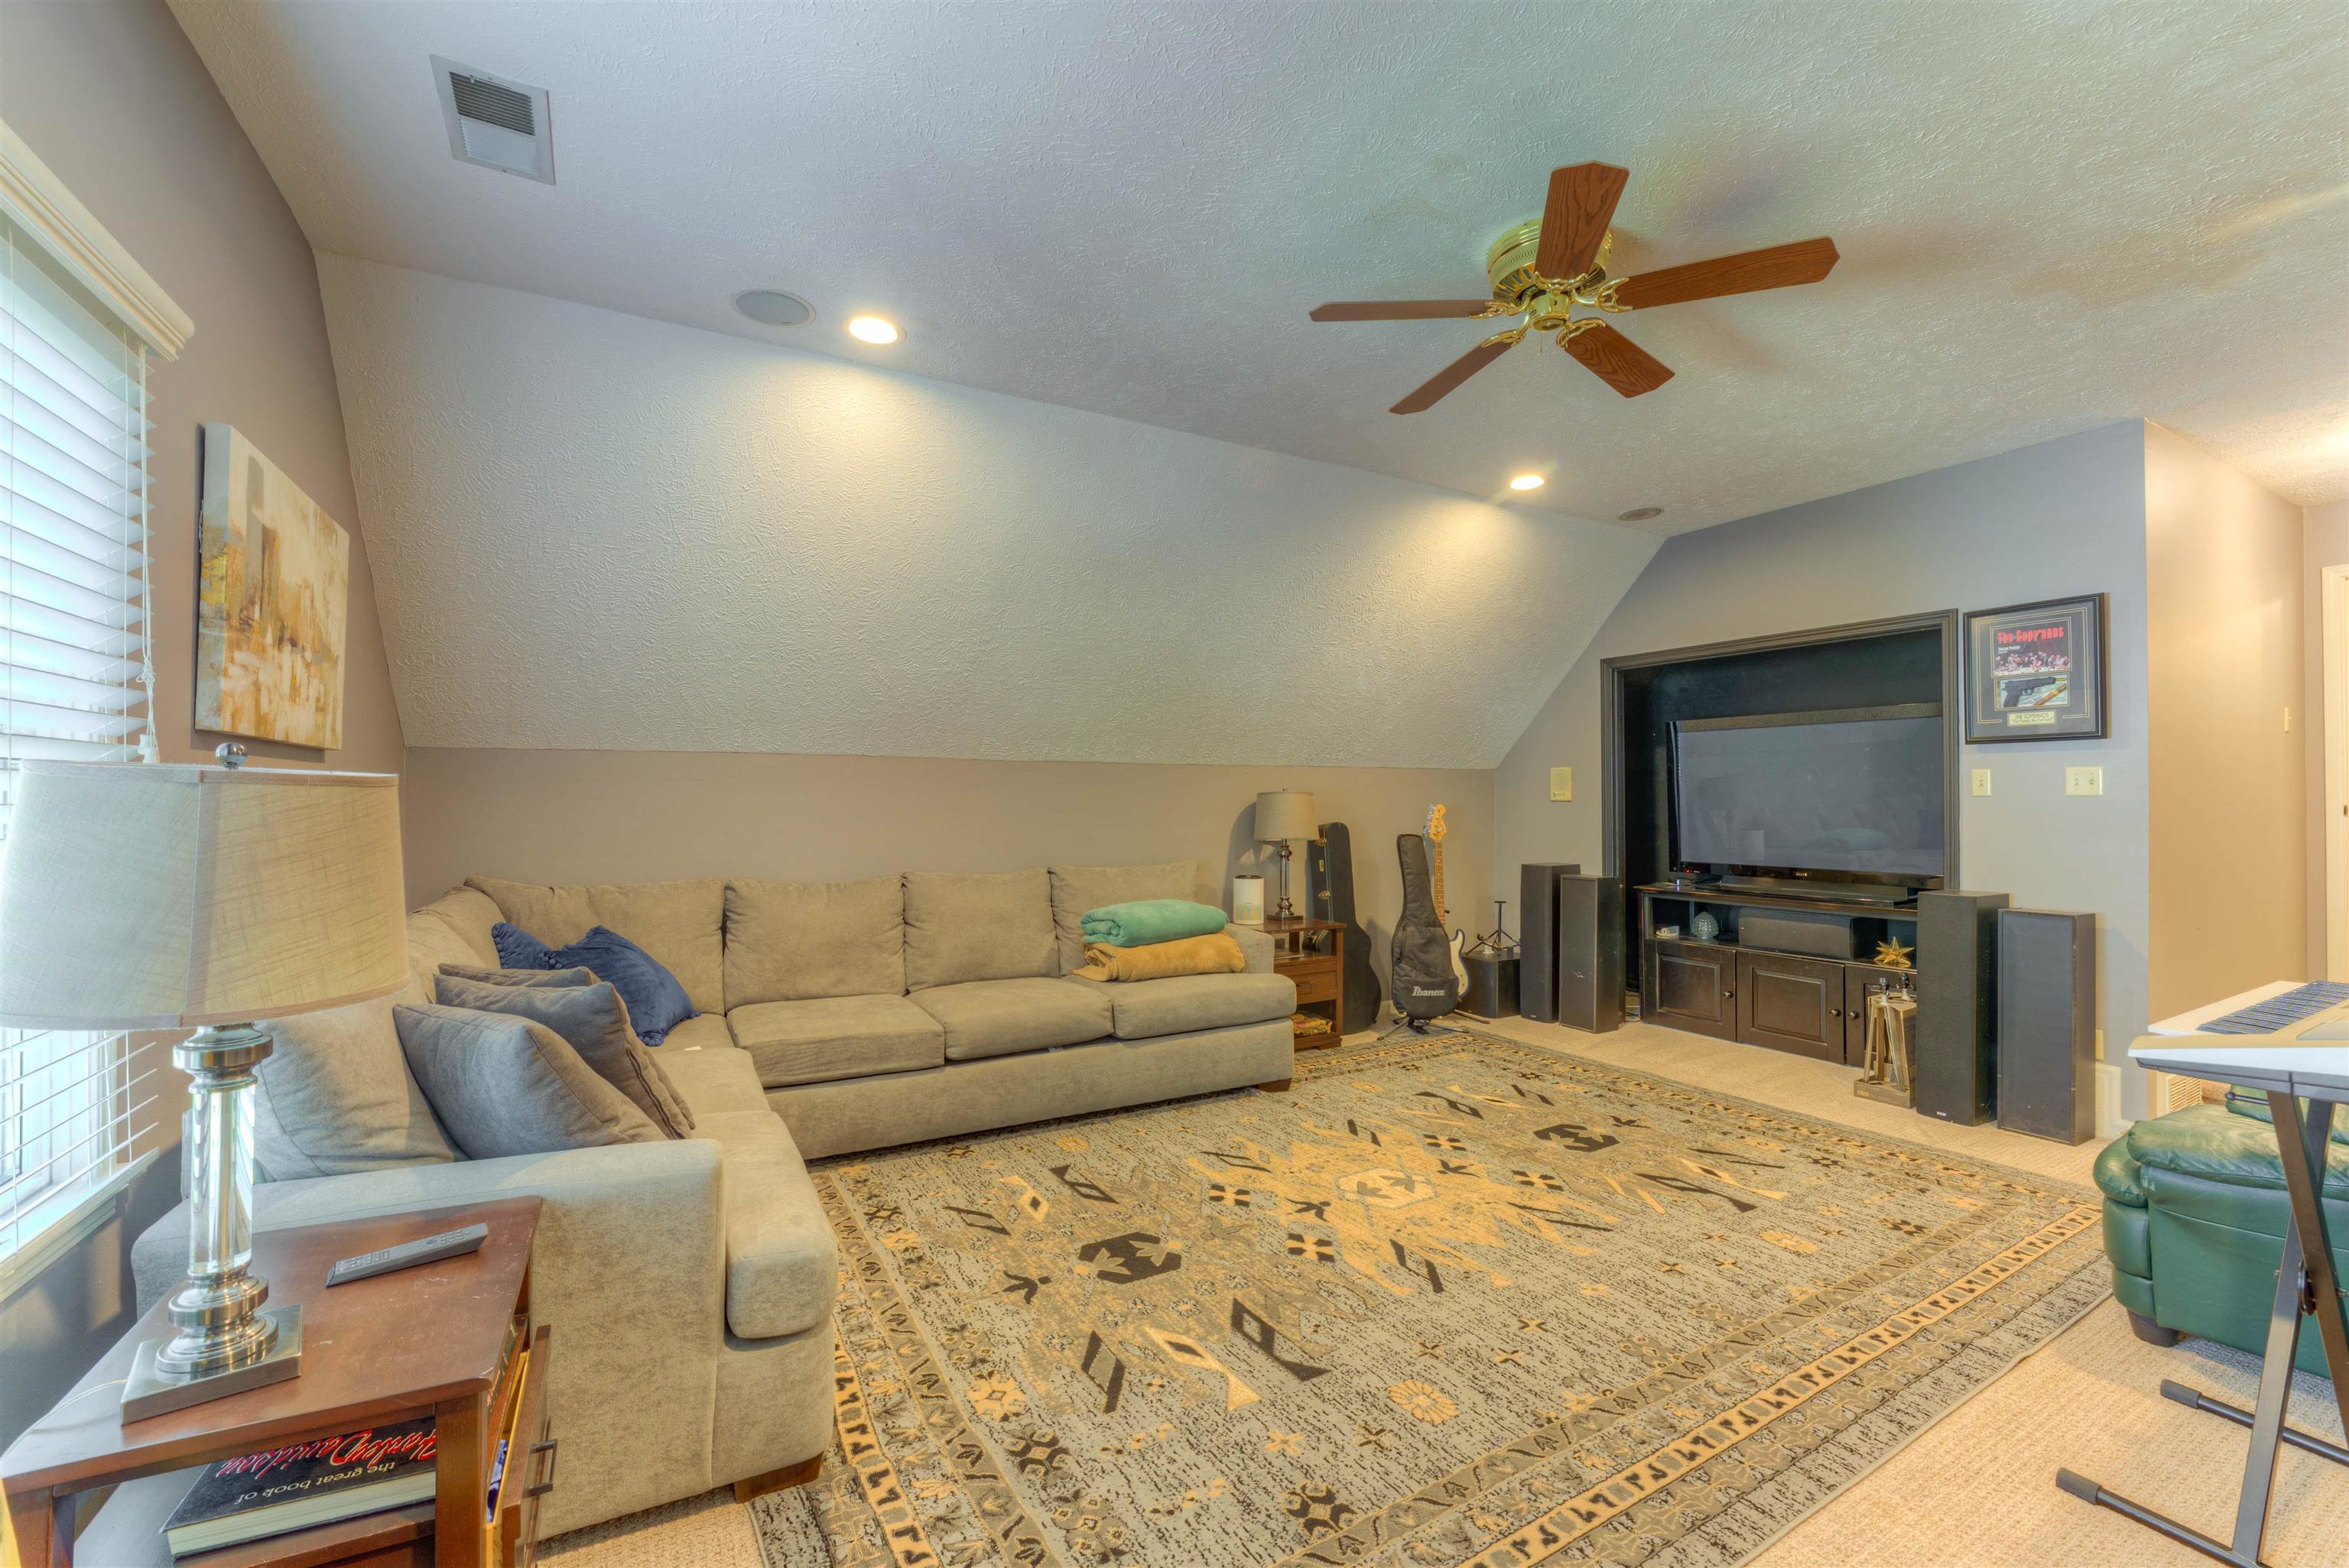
column 1977, row 1489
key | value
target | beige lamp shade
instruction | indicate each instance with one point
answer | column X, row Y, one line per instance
column 145, row 897
column 1285, row 814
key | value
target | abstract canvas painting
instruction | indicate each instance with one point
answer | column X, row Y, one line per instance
column 271, row 602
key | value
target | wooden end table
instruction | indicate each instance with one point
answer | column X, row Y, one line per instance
column 425, row 1341
column 1312, row 953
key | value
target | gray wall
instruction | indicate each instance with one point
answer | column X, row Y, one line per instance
column 2065, row 517
column 113, row 99
column 625, row 816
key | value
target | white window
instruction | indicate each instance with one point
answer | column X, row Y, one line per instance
column 78, row 319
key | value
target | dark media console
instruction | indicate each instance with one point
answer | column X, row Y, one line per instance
column 1793, row 973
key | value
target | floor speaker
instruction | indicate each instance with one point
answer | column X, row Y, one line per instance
column 1537, row 940
column 1956, row 1005
column 2047, row 1023
column 1589, row 953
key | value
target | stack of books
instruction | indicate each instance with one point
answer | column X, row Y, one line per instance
column 327, row 1479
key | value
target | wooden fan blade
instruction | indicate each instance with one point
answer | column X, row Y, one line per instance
column 1434, row 390
column 1617, row 361
column 1776, row 267
column 1582, row 198
column 1401, row 309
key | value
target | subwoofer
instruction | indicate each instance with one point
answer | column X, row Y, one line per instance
column 2047, row 1023
column 1589, row 953
column 1956, row 1005
column 1537, row 941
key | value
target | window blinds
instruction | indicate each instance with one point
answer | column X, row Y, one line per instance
column 74, row 680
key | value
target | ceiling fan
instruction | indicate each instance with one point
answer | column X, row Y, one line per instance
column 1539, row 270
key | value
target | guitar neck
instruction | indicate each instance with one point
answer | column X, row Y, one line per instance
column 1443, row 915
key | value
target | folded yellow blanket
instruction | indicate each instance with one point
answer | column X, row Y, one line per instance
column 1214, row 954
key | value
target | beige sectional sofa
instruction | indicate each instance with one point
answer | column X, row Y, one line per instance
column 689, row 1283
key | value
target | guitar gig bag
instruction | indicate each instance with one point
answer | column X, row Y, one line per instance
column 1424, row 987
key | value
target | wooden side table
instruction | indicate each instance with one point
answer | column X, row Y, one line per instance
column 1312, row 953
column 426, row 1341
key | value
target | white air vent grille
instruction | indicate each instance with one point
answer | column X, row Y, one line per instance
column 496, row 123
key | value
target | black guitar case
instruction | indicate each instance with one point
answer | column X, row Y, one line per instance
column 1329, row 884
column 1424, row 987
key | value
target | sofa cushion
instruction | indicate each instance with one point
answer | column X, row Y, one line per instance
column 1145, row 1009
column 712, row 1078
column 452, row 929
column 1076, row 889
column 821, row 1037
column 336, row 1097
column 786, row 942
column 593, row 1021
column 506, row 1086
column 2210, row 1144
column 781, row 1263
column 680, row 923
column 962, row 925
column 999, row 1018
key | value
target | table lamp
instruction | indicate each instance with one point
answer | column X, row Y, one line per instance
column 139, row 896
column 1282, row 815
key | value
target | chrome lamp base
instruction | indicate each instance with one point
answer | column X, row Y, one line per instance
column 151, row 1390
column 223, row 1343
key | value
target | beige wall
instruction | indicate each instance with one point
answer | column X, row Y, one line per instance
column 2227, row 850
column 113, row 99
column 626, row 816
column 2324, row 541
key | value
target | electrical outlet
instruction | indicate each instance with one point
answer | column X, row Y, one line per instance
column 1561, row 783
column 2084, row 780
column 1981, row 780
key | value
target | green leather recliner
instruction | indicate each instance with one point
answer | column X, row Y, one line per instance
column 2194, row 1218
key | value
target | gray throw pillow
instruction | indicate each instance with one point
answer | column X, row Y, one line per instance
column 534, row 979
column 502, row 1085
column 593, row 1021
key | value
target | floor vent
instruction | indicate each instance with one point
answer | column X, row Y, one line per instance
column 496, row 123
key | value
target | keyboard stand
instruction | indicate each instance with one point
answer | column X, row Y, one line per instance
column 2305, row 1287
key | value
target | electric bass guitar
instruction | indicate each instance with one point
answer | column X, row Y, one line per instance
column 1458, row 941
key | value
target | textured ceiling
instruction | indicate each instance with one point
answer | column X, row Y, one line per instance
column 2052, row 216
column 590, row 531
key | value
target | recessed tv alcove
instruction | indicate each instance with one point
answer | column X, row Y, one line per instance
column 1905, row 666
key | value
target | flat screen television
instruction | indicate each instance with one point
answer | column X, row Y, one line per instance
column 1854, row 795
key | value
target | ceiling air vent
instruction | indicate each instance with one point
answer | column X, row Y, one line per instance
column 496, row 123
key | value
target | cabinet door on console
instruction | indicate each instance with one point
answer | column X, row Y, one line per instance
column 1694, row 986
column 1791, row 1004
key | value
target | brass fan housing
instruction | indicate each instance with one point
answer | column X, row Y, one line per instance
column 1522, row 291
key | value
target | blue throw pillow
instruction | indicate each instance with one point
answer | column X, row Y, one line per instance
column 656, row 1001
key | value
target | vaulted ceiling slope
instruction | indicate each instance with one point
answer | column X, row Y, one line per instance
column 2054, row 214
column 591, row 530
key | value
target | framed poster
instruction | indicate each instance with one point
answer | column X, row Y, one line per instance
column 273, row 591
column 2036, row 672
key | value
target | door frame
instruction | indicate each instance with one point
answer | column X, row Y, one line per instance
column 2333, row 646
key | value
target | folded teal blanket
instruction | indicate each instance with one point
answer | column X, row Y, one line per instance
column 1149, row 920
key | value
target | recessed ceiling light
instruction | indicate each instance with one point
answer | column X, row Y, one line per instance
column 872, row 329
column 773, row 307
column 1527, row 481
column 1640, row 514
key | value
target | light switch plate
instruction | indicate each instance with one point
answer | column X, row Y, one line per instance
column 1981, row 780
column 2084, row 780
column 1561, row 783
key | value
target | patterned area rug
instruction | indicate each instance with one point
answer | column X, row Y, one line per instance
column 1452, row 1301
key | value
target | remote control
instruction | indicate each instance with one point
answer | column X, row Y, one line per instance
column 408, row 1255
